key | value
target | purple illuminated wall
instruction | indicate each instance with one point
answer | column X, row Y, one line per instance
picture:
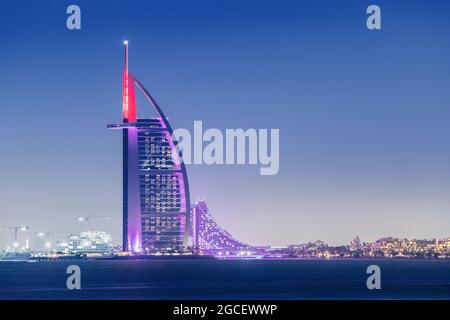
column 134, row 212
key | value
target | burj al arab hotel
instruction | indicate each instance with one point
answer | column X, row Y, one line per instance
column 156, row 202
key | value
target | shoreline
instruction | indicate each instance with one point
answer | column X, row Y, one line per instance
column 212, row 258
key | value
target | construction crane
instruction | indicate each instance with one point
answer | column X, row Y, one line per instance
column 16, row 230
column 47, row 234
column 87, row 219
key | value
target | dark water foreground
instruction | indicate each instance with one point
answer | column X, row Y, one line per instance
column 215, row 279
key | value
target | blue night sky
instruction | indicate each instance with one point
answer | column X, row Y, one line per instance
column 364, row 116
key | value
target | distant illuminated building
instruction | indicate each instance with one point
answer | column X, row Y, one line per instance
column 356, row 244
column 208, row 237
column 155, row 186
column 86, row 242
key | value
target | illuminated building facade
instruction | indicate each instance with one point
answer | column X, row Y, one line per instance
column 86, row 242
column 207, row 236
column 155, row 185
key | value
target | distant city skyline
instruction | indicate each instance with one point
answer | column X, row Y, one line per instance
column 363, row 115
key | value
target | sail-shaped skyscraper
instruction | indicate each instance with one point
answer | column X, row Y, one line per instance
column 156, row 202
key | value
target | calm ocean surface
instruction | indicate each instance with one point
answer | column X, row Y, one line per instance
column 211, row 279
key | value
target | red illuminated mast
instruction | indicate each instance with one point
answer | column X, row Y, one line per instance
column 128, row 94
